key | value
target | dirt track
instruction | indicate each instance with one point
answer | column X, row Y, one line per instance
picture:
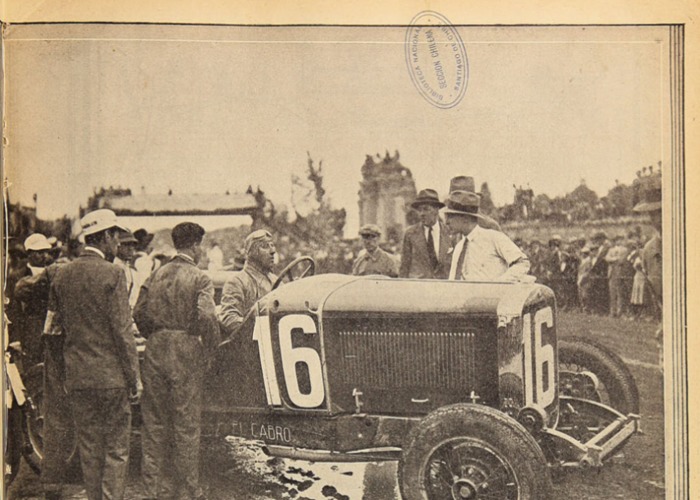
column 238, row 470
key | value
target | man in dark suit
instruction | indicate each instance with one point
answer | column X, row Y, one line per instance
column 426, row 244
column 88, row 299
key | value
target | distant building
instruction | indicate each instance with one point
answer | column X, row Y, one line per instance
column 386, row 191
column 126, row 203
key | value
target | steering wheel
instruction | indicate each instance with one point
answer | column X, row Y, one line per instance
column 287, row 271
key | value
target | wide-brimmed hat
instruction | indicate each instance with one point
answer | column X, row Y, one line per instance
column 427, row 197
column 651, row 198
column 370, row 230
column 462, row 183
column 98, row 221
column 463, row 203
column 37, row 242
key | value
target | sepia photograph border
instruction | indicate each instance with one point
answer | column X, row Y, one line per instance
column 680, row 200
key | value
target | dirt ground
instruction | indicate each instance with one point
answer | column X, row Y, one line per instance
column 236, row 469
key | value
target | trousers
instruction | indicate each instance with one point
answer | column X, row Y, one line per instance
column 59, row 431
column 171, row 410
column 103, row 427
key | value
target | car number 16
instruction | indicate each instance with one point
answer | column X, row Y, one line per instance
column 290, row 356
column 538, row 359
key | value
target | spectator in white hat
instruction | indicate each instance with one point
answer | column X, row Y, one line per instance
column 38, row 248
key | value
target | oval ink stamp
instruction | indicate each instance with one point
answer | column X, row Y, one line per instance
column 436, row 59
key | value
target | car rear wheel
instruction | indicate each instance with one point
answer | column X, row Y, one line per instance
column 468, row 451
column 33, row 427
column 13, row 443
column 589, row 370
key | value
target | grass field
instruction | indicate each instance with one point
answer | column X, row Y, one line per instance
column 639, row 472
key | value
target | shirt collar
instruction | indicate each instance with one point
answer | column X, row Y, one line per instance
column 96, row 250
column 35, row 270
column 436, row 226
column 186, row 258
column 475, row 233
column 251, row 269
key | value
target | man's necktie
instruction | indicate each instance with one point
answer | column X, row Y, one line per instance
column 431, row 248
column 460, row 261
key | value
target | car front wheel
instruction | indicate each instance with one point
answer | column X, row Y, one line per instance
column 468, row 451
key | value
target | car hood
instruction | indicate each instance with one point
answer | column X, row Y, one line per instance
column 378, row 294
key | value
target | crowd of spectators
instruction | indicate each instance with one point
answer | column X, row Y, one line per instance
column 599, row 274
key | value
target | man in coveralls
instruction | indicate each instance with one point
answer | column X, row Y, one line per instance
column 252, row 283
column 176, row 313
column 88, row 300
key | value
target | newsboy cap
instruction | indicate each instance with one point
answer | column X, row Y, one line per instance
column 37, row 242
column 127, row 237
column 370, row 230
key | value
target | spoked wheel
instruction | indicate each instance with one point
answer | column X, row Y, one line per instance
column 33, row 428
column 13, row 443
column 590, row 371
column 467, row 468
column 468, row 451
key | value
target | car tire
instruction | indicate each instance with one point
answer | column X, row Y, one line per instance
column 33, row 425
column 608, row 367
column 13, row 443
column 472, row 451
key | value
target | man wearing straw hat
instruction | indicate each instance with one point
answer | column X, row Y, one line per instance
column 88, row 299
column 481, row 254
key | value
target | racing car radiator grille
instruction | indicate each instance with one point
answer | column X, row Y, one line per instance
column 409, row 359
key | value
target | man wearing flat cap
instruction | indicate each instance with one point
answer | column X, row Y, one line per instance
column 88, row 300
column 372, row 259
column 426, row 244
column 252, row 283
column 481, row 254
column 177, row 314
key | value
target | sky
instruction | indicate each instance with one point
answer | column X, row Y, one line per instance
column 213, row 108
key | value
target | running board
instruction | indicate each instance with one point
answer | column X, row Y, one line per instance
column 367, row 455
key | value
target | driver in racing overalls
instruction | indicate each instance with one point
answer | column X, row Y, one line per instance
column 250, row 284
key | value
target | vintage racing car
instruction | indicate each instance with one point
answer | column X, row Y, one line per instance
column 465, row 384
